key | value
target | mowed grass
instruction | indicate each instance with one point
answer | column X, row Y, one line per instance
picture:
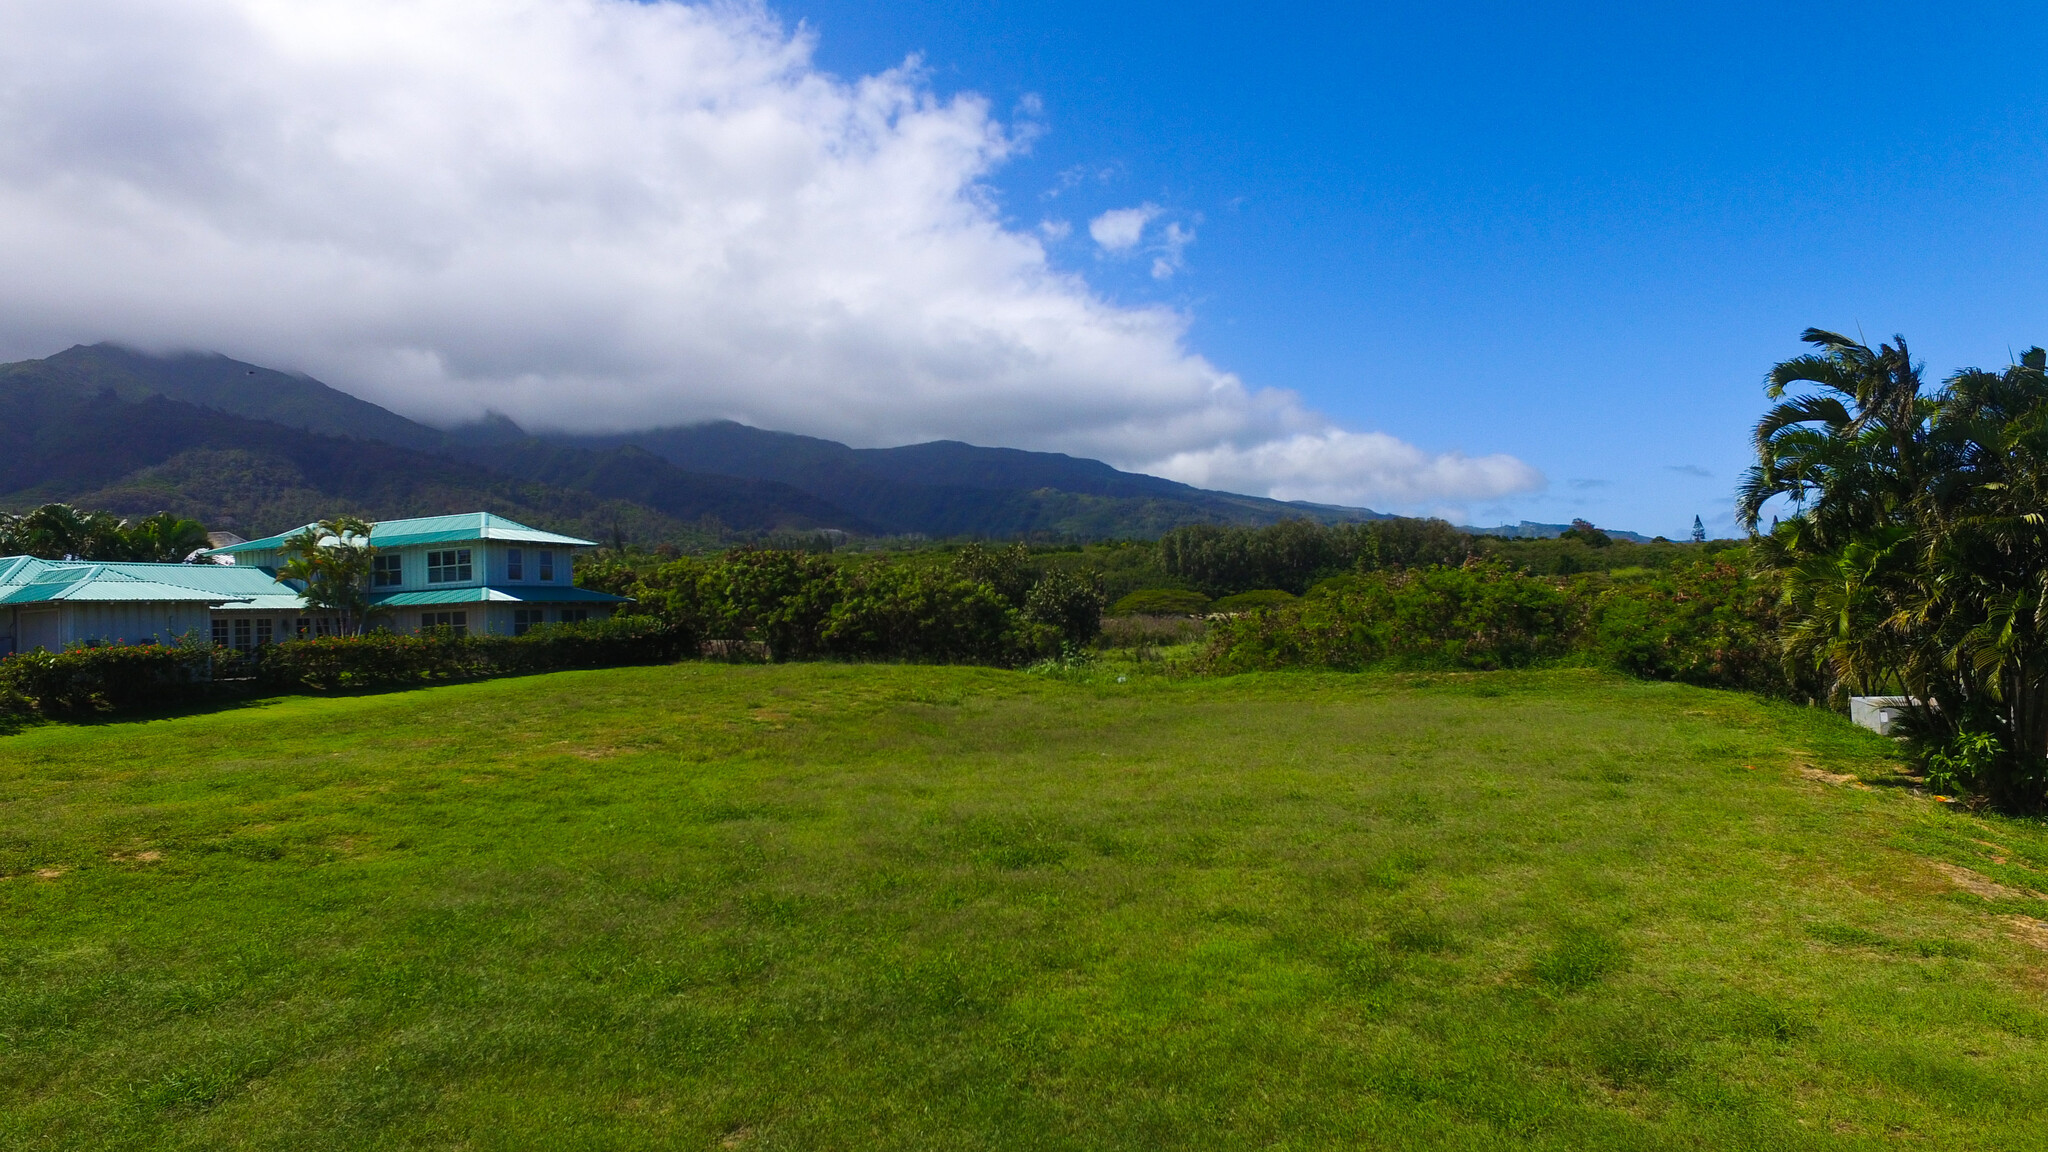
column 816, row 907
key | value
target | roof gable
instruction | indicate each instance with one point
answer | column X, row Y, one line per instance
column 31, row 580
column 456, row 529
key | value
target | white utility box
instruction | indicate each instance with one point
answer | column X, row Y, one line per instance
column 1878, row 713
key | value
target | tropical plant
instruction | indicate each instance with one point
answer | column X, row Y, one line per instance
column 61, row 532
column 331, row 560
column 166, row 539
column 1915, row 554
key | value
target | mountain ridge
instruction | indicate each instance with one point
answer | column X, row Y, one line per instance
column 719, row 475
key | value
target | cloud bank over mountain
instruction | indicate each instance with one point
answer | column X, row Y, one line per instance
column 599, row 215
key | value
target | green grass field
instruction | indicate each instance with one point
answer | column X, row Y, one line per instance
column 820, row 907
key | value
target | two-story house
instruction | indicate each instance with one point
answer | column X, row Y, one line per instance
column 473, row 572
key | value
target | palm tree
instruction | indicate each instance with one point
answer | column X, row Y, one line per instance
column 332, row 559
column 166, row 539
column 1915, row 557
column 1850, row 454
column 61, row 532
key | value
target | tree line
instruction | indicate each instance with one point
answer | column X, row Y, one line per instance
column 984, row 605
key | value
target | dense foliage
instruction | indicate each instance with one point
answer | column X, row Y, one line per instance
column 1709, row 624
column 1293, row 554
column 61, row 532
column 986, row 605
column 1914, row 555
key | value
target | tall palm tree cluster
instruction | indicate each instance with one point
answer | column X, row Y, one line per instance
column 1913, row 548
column 61, row 532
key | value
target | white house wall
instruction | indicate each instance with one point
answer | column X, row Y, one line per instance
column 58, row 626
column 41, row 628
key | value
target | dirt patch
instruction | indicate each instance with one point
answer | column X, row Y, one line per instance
column 1979, row 885
column 2033, row 931
column 149, row 857
column 1838, row 779
column 736, row 1137
column 51, row 873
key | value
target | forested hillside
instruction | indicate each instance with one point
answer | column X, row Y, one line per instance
column 249, row 447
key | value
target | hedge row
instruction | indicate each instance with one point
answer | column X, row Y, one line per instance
column 123, row 677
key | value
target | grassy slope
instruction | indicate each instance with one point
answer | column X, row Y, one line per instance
column 838, row 907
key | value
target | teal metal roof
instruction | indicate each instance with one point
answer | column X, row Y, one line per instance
column 28, row 580
column 494, row 595
column 428, row 530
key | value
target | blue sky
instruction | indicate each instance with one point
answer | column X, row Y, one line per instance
column 1491, row 262
column 1575, row 233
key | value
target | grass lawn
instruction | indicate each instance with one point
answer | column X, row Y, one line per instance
column 816, row 907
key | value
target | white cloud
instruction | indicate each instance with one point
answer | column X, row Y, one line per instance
column 597, row 214
column 1055, row 230
column 1171, row 245
column 1337, row 467
column 1120, row 229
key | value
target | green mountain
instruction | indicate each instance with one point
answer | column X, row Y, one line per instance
column 209, row 380
column 946, row 488
column 255, row 450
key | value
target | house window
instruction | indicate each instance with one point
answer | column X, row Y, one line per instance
column 387, row 571
column 220, row 633
column 264, row 633
column 242, row 642
column 457, row 623
column 547, row 567
column 451, row 567
column 515, row 564
column 574, row 615
column 323, row 626
column 523, row 620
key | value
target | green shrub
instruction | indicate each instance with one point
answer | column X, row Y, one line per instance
column 984, row 606
column 105, row 677
column 1069, row 604
column 926, row 614
column 385, row 660
column 1708, row 623
column 1480, row 615
column 1253, row 601
column 1160, row 602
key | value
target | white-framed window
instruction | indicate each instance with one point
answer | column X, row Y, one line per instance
column 574, row 615
column 243, row 641
column 450, row 567
column 547, row 567
column 265, row 632
column 455, row 622
column 515, row 564
column 523, row 619
column 387, row 570
column 220, row 633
